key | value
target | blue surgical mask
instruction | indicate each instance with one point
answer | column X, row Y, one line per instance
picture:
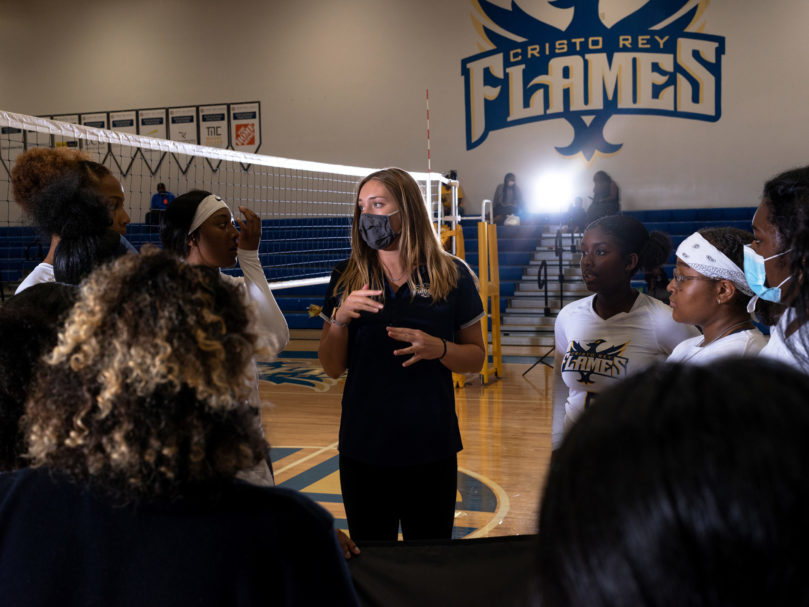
column 756, row 276
column 376, row 230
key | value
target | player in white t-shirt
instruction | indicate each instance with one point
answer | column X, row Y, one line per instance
column 618, row 331
column 709, row 290
column 684, row 485
column 775, row 264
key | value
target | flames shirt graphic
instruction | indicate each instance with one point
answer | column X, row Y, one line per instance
column 595, row 359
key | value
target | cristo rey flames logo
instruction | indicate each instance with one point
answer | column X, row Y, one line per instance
column 652, row 61
column 588, row 361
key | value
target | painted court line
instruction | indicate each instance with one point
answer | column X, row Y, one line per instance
column 503, row 503
column 320, row 451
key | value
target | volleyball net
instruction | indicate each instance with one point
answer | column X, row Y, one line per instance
column 306, row 207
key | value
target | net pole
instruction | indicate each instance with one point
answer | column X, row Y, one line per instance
column 428, row 196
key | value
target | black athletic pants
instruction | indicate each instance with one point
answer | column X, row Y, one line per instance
column 378, row 498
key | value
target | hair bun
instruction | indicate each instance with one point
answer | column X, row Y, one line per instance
column 67, row 208
column 655, row 251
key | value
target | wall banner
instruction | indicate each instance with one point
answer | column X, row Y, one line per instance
column 649, row 62
column 213, row 125
column 124, row 122
column 183, row 124
column 183, row 127
column 97, row 120
column 213, row 129
column 66, row 142
column 152, row 123
column 245, row 127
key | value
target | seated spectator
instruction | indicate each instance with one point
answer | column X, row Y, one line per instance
column 683, row 485
column 29, row 323
column 606, row 198
column 576, row 218
column 160, row 202
column 507, row 202
column 709, row 290
column 135, row 428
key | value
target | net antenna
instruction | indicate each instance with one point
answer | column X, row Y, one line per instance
column 429, row 170
column 306, row 207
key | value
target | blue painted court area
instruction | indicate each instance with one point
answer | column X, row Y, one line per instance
column 475, row 496
column 279, row 453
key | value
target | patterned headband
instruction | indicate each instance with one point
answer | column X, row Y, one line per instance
column 709, row 261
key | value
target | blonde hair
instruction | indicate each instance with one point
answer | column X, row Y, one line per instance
column 147, row 388
column 418, row 243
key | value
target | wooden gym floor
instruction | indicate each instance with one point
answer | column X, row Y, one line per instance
column 505, row 425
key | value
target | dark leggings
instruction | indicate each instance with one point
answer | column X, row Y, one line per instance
column 378, row 498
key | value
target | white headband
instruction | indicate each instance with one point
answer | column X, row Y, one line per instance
column 709, row 261
column 209, row 205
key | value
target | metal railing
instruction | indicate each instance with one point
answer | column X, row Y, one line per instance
column 542, row 284
column 484, row 205
column 572, row 242
column 559, row 250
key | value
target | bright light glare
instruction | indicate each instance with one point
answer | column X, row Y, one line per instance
column 553, row 193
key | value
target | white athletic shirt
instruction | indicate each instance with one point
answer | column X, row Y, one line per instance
column 777, row 348
column 270, row 319
column 274, row 330
column 743, row 343
column 42, row 273
column 598, row 353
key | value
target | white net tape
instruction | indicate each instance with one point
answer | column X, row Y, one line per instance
column 306, row 207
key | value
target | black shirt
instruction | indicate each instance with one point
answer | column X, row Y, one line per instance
column 228, row 544
column 394, row 415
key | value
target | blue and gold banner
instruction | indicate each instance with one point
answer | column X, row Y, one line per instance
column 646, row 63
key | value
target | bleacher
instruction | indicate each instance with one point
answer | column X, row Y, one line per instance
column 286, row 255
column 515, row 245
column 680, row 223
column 527, row 319
column 21, row 249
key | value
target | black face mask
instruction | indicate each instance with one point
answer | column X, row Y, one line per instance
column 376, row 230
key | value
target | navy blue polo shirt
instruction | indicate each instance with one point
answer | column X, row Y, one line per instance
column 161, row 201
column 394, row 415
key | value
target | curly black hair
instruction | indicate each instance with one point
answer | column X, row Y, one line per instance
column 29, row 324
column 48, row 183
column 147, row 392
